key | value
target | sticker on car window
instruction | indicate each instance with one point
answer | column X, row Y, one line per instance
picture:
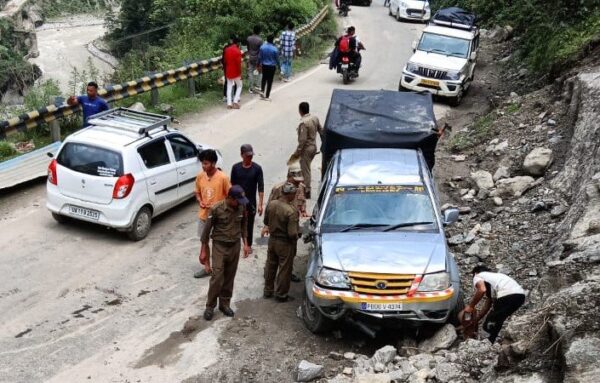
column 106, row 172
column 380, row 189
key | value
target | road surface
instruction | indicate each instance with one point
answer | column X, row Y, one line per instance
column 82, row 303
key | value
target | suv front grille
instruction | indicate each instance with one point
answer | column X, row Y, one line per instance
column 432, row 73
column 415, row 12
column 381, row 284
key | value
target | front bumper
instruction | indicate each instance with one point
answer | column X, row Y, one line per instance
column 414, row 14
column 417, row 83
column 119, row 214
column 433, row 307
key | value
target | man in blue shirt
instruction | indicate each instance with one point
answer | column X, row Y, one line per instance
column 268, row 61
column 90, row 104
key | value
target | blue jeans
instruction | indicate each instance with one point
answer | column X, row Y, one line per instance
column 286, row 66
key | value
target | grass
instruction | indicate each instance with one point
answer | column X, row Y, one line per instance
column 479, row 132
column 513, row 108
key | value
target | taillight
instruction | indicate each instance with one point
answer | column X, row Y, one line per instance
column 345, row 60
column 123, row 186
column 52, row 173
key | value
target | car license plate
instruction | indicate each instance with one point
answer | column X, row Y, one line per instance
column 381, row 306
column 344, row 66
column 83, row 212
column 430, row 82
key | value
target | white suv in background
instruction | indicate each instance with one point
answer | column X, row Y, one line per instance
column 444, row 58
column 410, row 9
column 124, row 169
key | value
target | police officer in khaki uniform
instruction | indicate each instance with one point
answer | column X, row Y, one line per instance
column 282, row 219
column 307, row 142
column 226, row 224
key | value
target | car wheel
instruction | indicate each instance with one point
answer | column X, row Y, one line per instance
column 460, row 306
column 313, row 319
column 60, row 218
column 398, row 18
column 390, row 11
column 456, row 101
column 401, row 88
column 141, row 224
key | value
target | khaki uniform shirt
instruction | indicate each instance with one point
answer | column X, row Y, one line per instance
column 307, row 133
column 282, row 220
column 299, row 201
column 227, row 224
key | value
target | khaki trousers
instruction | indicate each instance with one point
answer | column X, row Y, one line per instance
column 278, row 269
column 224, row 263
column 305, row 160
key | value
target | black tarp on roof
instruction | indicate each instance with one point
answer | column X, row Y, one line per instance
column 379, row 119
column 455, row 15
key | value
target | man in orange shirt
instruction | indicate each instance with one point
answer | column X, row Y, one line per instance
column 212, row 186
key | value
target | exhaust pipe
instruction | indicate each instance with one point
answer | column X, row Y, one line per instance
column 371, row 333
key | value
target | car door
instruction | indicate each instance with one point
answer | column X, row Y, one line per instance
column 187, row 163
column 161, row 174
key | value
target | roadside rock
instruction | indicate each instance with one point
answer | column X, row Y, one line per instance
column 308, row 371
column 482, row 179
column 446, row 372
column 349, row 355
column 372, row 378
column 384, row 355
column 501, row 172
column 513, row 187
column 537, row 161
column 498, row 201
column 441, row 340
column 138, row 106
column 480, row 249
column 581, row 360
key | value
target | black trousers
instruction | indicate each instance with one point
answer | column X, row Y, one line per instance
column 501, row 310
column 268, row 73
column 250, row 228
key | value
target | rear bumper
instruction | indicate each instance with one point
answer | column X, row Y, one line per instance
column 446, row 88
column 432, row 307
column 118, row 214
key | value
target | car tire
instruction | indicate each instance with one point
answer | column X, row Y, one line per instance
column 60, row 218
column 313, row 319
column 401, row 88
column 390, row 11
column 141, row 224
column 460, row 306
column 457, row 100
column 398, row 18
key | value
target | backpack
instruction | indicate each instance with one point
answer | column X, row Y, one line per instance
column 344, row 45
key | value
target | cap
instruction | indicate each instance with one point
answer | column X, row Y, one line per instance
column 247, row 149
column 289, row 188
column 238, row 194
column 295, row 171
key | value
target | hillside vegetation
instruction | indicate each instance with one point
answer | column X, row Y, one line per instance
column 552, row 33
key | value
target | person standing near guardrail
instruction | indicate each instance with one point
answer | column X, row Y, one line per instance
column 90, row 104
column 232, row 62
column 268, row 59
column 288, row 45
column 254, row 43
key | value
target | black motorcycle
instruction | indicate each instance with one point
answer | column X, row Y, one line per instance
column 344, row 8
column 347, row 68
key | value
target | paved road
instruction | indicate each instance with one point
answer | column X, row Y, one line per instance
column 81, row 302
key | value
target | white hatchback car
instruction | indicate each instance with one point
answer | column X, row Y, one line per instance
column 124, row 169
column 410, row 10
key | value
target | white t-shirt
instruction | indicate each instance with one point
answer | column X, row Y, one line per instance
column 502, row 285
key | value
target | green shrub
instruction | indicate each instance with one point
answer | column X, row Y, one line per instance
column 6, row 150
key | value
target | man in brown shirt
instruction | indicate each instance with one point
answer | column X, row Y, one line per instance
column 307, row 142
column 282, row 219
column 226, row 224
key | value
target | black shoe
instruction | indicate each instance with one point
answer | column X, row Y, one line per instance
column 227, row 311
column 287, row 298
column 201, row 274
column 208, row 314
column 267, row 295
column 296, row 278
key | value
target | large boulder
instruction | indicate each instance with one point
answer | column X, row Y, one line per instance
column 441, row 340
column 581, row 360
column 537, row 161
column 483, row 179
column 513, row 187
column 384, row 355
column 308, row 371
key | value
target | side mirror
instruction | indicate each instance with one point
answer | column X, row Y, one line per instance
column 473, row 56
column 50, row 154
column 414, row 45
column 450, row 216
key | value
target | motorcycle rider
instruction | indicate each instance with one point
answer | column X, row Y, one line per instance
column 354, row 46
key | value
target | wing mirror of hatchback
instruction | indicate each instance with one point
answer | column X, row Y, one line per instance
column 450, row 216
column 414, row 45
column 50, row 154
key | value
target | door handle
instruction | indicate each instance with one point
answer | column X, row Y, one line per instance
column 153, row 182
column 182, row 172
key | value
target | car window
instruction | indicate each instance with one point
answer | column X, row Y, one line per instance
column 182, row 147
column 89, row 159
column 154, row 154
column 383, row 205
column 446, row 45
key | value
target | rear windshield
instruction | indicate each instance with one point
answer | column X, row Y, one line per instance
column 91, row 160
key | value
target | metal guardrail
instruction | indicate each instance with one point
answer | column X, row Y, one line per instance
column 132, row 88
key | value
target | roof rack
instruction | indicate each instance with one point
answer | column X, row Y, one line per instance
column 454, row 17
column 130, row 120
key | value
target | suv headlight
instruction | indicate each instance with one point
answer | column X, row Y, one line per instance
column 333, row 278
column 427, row 7
column 412, row 68
column 435, row 282
column 453, row 75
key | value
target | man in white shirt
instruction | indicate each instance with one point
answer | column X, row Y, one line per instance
column 503, row 295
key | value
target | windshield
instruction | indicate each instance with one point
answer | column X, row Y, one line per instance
column 446, row 45
column 91, row 160
column 379, row 208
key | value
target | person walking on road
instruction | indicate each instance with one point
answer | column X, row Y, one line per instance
column 90, row 104
column 212, row 186
column 503, row 295
column 282, row 219
column 254, row 43
column 307, row 142
column 226, row 225
column 288, row 45
column 249, row 176
column 232, row 61
column 268, row 59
